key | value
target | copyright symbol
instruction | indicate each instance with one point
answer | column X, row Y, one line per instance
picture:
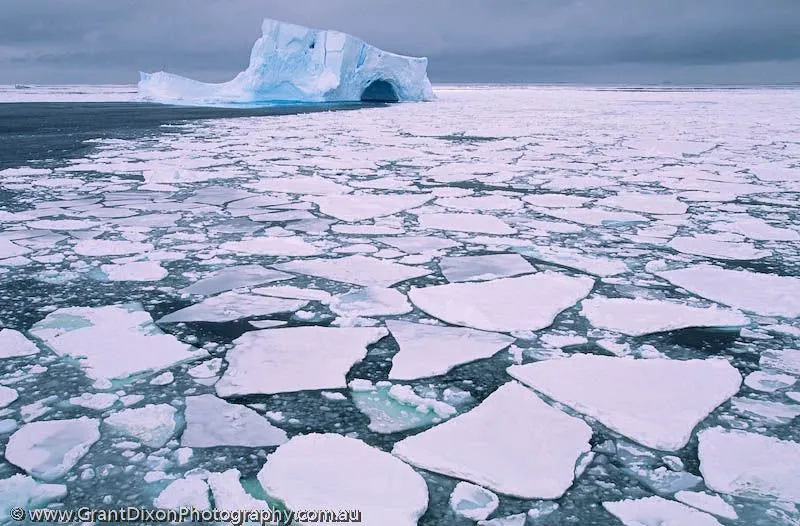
column 17, row 514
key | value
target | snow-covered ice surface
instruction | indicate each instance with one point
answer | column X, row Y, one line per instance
column 291, row 63
column 655, row 402
column 373, row 273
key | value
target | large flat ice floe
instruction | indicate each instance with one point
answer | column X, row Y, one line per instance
column 291, row 63
column 20, row 491
column 358, row 270
column 750, row 465
column 654, row 402
column 294, row 359
column 431, row 350
column 765, row 294
column 212, row 422
column 518, row 445
column 636, row 317
column 230, row 306
column 112, row 342
column 48, row 450
column 331, row 471
column 503, row 305
column 657, row 510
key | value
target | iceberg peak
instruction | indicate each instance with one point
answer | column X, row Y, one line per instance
column 292, row 63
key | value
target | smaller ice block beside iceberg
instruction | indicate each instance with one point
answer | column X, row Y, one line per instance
column 291, row 64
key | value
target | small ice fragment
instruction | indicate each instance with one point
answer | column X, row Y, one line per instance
column 473, row 502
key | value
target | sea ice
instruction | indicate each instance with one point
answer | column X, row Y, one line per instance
column 636, row 398
column 787, row 360
column 7, row 396
column 511, row 520
column 473, row 502
column 646, row 203
column 518, row 445
column 230, row 306
column 112, row 342
column 483, row 268
column 358, row 207
column 153, row 425
column 135, row 271
column 346, row 474
column 272, row 246
column 21, row 491
column 478, row 223
column 297, row 293
column 96, row 401
column 14, row 343
column 556, row 200
column 432, row 350
column 358, row 270
column 371, row 301
column 47, row 450
column 393, row 408
column 657, row 510
column 104, row 247
column 277, row 360
column 212, row 422
column 765, row 412
column 768, row 382
column 709, row 503
column 190, row 492
column 234, row 278
column 637, row 317
column 710, row 246
column 564, row 257
column 291, row 63
column 765, row 294
column 418, row 244
column 503, row 305
column 229, row 494
column 749, row 465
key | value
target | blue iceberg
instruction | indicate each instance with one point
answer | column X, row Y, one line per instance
column 295, row 64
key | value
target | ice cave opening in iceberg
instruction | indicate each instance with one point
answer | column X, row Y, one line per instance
column 295, row 64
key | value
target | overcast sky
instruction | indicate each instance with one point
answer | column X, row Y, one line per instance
column 606, row 41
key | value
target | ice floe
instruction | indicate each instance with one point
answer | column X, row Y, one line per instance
column 637, row 317
column 709, row 503
column 277, row 360
column 657, row 510
column 104, row 247
column 359, row 207
column 371, row 301
column 597, row 266
column 645, row 203
column 637, row 398
column 272, row 246
column 710, row 246
column 786, row 360
column 481, row 224
column 765, row 294
column 519, row 445
column 189, row 492
column 483, row 268
column 234, row 278
column 22, row 492
column 749, row 465
column 230, row 306
column 431, row 350
column 346, row 474
column 14, row 343
column 503, row 305
column 212, row 422
column 135, row 271
column 358, row 270
column 392, row 408
column 7, row 396
column 112, row 342
column 47, row 450
column 473, row 502
column 153, row 425
column 768, row 382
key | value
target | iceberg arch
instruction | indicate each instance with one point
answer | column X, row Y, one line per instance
column 295, row 64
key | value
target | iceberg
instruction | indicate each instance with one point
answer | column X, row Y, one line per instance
column 291, row 63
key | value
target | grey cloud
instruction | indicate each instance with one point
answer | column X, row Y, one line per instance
column 481, row 40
